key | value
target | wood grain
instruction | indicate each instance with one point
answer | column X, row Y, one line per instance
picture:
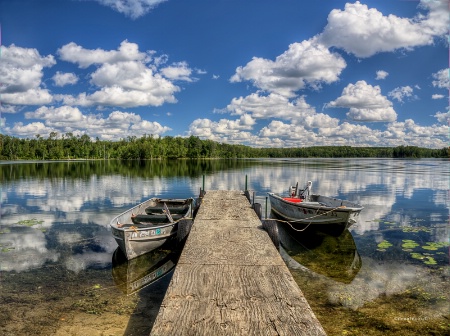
column 231, row 280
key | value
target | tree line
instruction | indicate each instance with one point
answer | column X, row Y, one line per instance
column 71, row 147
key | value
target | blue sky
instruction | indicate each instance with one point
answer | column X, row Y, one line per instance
column 264, row 73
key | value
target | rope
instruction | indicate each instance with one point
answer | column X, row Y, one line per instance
column 300, row 220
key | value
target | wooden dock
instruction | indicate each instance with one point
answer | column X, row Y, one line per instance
column 231, row 280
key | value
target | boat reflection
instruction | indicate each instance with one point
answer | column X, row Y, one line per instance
column 130, row 276
column 334, row 257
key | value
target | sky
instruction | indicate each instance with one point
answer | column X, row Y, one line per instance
column 262, row 73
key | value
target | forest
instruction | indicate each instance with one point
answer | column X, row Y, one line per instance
column 148, row 147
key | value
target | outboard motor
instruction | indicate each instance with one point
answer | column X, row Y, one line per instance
column 304, row 193
column 293, row 190
column 307, row 191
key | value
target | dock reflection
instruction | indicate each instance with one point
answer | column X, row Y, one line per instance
column 335, row 257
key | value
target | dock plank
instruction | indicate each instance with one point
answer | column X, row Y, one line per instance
column 231, row 280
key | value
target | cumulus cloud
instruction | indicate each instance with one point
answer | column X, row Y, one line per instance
column 125, row 77
column 21, row 72
column 401, row 93
column 437, row 96
column 62, row 79
column 366, row 103
column 304, row 64
column 74, row 53
column 280, row 129
column 381, row 74
column 365, row 32
column 65, row 119
column 29, row 130
column 409, row 132
column 35, row 96
column 213, row 130
column 21, row 69
column 442, row 79
column 131, row 8
column 178, row 71
column 271, row 106
column 443, row 118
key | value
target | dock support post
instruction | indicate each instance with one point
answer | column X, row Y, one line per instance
column 266, row 206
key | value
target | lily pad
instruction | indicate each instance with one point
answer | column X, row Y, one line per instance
column 416, row 255
column 430, row 261
column 416, row 229
column 30, row 222
column 409, row 244
column 433, row 246
column 384, row 245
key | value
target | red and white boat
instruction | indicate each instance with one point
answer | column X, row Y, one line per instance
column 301, row 208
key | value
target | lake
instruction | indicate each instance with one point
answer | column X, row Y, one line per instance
column 61, row 273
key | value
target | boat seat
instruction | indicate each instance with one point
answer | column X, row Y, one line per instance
column 158, row 209
column 157, row 219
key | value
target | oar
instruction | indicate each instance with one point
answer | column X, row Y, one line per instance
column 167, row 212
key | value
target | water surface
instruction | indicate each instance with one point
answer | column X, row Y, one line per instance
column 60, row 273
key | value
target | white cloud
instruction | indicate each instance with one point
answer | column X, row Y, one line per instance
column 126, row 77
column 131, row 8
column 149, row 127
column 304, row 64
column 66, row 114
column 65, row 119
column 270, row 106
column 442, row 79
column 443, row 118
column 437, row 96
column 74, row 53
column 366, row 103
column 62, row 79
column 178, row 71
column 21, row 72
column 35, row 96
column 9, row 108
column 29, row 130
column 21, row 69
column 381, row 74
column 213, row 130
column 410, row 133
column 365, row 32
column 401, row 92
column 117, row 96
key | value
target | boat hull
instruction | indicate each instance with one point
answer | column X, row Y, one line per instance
column 135, row 239
column 317, row 212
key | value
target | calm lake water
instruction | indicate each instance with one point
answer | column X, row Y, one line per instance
column 61, row 273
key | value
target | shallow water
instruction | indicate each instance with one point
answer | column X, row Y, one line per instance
column 59, row 274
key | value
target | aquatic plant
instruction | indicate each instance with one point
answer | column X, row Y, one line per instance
column 408, row 244
column 426, row 259
column 416, row 229
column 384, row 245
column 433, row 246
column 30, row 222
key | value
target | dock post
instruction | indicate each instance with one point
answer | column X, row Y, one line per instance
column 266, row 206
column 203, row 182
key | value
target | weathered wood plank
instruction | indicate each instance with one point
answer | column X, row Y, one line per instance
column 230, row 279
column 234, row 300
column 229, row 244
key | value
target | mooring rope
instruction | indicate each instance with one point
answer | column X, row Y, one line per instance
column 306, row 219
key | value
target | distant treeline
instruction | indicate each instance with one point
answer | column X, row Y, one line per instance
column 68, row 147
